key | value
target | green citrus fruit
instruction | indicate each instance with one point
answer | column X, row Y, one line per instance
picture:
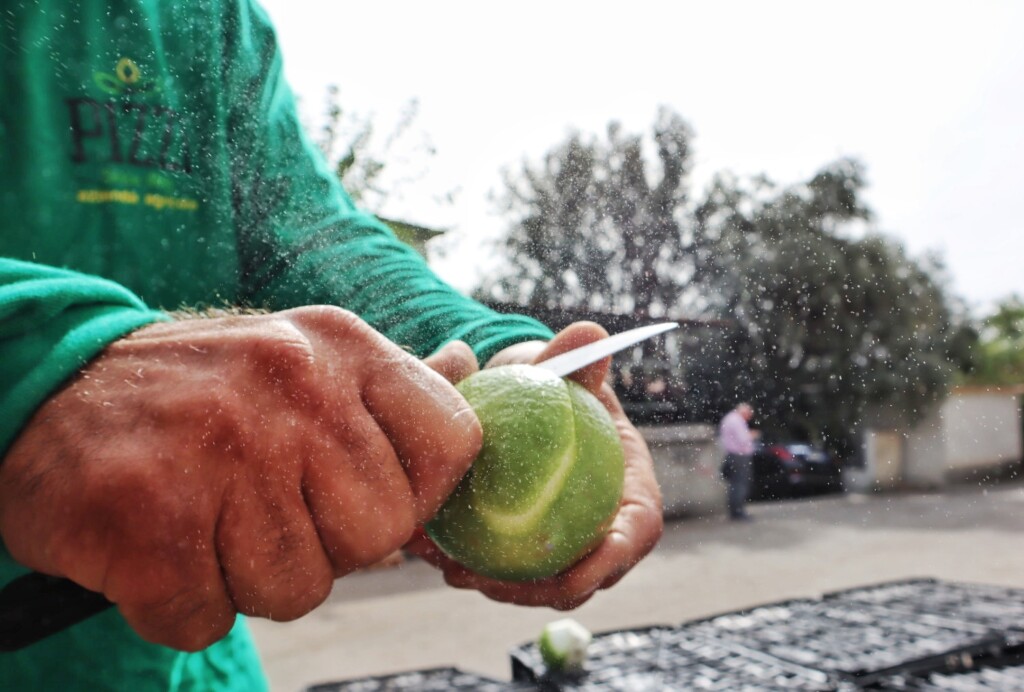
column 546, row 484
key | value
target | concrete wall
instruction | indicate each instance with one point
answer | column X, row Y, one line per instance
column 686, row 462
column 926, row 452
column 973, row 429
column 982, row 428
column 884, row 459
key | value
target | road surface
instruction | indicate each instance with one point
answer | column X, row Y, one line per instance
column 405, row 618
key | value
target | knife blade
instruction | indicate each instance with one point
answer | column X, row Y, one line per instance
column 571, row 361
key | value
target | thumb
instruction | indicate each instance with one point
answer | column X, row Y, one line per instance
column 576, row 335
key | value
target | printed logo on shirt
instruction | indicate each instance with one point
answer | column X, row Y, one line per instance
column 127, row 131
column 127, row 78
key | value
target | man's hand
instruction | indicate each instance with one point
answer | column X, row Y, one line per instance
column 208, row 467
column 636, row 528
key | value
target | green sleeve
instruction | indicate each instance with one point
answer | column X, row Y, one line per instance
column 52, row 322
column 301, row 238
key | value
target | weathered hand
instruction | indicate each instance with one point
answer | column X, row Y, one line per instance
column 635, row 530
column 206, row 467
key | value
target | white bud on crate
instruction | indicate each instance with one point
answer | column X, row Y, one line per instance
column 563, row 645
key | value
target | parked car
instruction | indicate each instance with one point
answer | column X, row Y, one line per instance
column 793, row 469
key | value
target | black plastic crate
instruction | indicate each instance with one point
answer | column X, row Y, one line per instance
column 668, row 658
column 856, row 641
column 995, row 677
column 997, row 607
column 431, row 680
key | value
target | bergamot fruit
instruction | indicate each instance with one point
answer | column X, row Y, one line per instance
column 547, row 482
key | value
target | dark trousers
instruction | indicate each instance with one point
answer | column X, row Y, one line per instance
column 737, row 471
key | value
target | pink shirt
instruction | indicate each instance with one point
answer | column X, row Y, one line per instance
column 734, row 435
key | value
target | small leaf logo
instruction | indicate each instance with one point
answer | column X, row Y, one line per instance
column 127, row 78
column 127, row 71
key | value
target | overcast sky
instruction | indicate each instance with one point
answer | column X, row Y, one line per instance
column 929, row 95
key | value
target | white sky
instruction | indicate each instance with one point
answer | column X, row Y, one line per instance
column 929, row 95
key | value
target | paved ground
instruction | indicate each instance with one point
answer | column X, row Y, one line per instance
column 406, row 618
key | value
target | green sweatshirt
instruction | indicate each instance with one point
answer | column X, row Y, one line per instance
column 151, row 158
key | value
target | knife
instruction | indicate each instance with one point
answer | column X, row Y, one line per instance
column 571, row 361
column 34, row 606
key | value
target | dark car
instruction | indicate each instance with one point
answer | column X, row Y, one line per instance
column 793, row 469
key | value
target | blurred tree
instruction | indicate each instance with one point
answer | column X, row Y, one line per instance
column 597, row 226
column 831, row 329
column 831, row 325
column 999, row 353
column 358, row 152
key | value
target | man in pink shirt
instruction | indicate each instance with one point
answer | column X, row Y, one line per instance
column 737, row 442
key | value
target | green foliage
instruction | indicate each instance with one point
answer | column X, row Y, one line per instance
column 999, row 354
column 831, row 327
column 595, row 227
column 357, row 152
column 833, row 330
